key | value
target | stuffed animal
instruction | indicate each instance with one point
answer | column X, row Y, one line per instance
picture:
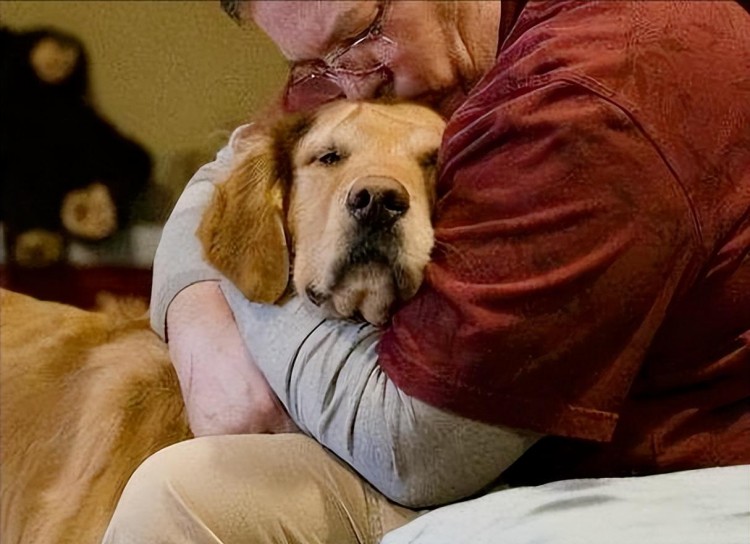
column 65, row 172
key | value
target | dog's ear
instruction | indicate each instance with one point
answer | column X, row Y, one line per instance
column 242, row 231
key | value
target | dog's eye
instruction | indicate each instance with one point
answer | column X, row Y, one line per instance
column 429, row 160
column 330, row 158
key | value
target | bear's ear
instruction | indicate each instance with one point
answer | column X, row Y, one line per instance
column 243, row 232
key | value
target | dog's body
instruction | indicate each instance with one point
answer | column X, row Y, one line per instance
column 86, row 396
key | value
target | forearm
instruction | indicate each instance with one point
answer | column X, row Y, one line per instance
column 224, row 390
column 326, row 374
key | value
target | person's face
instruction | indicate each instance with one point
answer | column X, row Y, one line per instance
column 360, row 49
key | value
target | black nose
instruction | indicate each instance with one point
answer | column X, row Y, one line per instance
column 377, row 201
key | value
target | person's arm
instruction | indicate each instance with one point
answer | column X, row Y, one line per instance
column 224, row 391
column 326, row 374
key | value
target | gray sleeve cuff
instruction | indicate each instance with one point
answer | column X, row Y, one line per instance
column 178, row 262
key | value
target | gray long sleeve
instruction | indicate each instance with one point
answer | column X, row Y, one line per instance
column 326, row 374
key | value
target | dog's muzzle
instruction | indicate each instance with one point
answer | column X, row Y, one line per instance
column 376, row 204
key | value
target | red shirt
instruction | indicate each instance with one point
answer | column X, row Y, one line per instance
column 591, row 278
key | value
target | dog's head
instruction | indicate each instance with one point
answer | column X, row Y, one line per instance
column 346, row 193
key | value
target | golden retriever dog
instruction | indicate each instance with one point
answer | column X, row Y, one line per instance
column 357, row 213
column 335, row 206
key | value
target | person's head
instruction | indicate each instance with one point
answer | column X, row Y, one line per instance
column 432, row 52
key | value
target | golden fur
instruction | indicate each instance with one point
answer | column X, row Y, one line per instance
column 86, row 396
column 292, row 198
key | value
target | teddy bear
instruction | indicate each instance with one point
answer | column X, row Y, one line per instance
column 65, row 172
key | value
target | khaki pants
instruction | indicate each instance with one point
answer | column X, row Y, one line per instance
column 247, row 489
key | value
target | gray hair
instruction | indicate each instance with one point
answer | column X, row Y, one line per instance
column 231, row 8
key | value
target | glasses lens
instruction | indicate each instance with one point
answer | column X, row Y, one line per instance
column 367, row 57
column 310, row 92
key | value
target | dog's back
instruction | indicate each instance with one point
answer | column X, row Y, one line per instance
column 84, row 398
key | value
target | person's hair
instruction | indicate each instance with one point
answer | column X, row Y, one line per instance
column 231, row 8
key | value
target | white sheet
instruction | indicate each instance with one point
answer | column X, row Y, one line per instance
column 709, row 506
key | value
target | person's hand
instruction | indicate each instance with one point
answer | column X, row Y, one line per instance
column 224, row 391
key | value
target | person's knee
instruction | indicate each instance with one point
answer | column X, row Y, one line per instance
column 252, row 488
column 153, row 496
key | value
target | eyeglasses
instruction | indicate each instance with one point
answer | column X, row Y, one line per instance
column 314, row 82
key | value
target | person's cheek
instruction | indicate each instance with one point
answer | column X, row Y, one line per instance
column 409, row 81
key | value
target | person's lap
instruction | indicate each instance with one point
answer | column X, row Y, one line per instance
column 250, row 488
column 288, row 488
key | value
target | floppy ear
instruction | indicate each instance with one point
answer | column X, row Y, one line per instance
column 242, row 231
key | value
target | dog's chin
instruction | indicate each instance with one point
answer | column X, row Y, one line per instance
column 365, row 292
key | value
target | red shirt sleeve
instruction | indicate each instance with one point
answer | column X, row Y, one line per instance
column 561, row 238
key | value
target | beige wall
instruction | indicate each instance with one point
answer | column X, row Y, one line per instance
column 176, row 75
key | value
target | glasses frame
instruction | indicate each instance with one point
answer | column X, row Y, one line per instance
column 327, row 66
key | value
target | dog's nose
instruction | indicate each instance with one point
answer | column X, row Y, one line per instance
column 377, row 201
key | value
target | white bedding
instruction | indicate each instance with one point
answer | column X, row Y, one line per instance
column 710, row 506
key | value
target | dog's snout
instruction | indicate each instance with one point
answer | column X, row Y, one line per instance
column 377, row 201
